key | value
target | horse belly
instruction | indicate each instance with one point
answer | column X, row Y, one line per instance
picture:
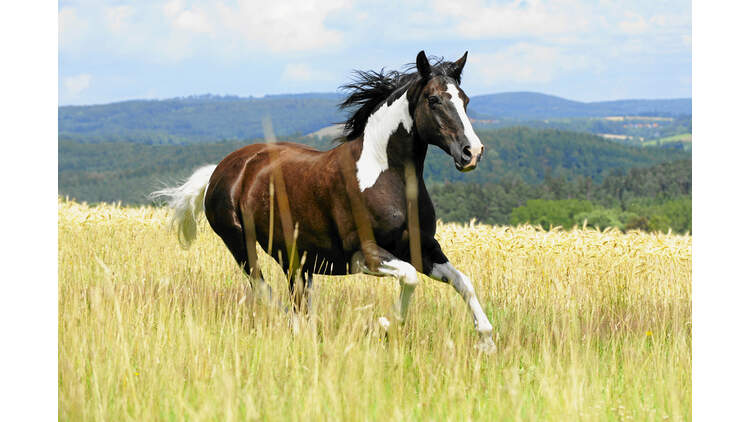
column 311, row 218
column 328, row 262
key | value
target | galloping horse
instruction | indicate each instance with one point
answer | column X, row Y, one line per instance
column 349, row 206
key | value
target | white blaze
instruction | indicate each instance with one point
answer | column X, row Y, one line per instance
column 380, row 126
column 474, row 143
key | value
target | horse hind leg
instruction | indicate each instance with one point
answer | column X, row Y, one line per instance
column 301, row 291
column 237, row 242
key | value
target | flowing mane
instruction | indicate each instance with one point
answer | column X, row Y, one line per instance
column 370, row 88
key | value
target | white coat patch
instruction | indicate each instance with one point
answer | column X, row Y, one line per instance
column 380, row 126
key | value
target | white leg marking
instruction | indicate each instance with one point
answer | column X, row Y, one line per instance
column 474, row 143
column 383, row 321
column 407, row 277
column 261, row 289
column 380, row 126
column 448, row 273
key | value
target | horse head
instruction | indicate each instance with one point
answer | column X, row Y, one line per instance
column 440, row 112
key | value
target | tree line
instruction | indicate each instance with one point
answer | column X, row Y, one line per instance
column 656, row 198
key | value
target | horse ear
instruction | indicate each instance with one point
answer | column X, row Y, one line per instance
column 458, row 67
column 423, row 65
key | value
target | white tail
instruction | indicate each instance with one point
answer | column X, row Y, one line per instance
column 187, row 202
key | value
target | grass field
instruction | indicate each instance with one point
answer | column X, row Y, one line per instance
column 589, row 326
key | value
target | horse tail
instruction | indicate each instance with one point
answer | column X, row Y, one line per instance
column 187, row 202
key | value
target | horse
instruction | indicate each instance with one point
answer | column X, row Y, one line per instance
column 360, row 207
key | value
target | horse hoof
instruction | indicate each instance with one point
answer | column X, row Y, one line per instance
column 383, row 321
column 294, row 323
column 486, row 345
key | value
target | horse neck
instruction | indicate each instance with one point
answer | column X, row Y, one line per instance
column 404, row 148
column 389, row 141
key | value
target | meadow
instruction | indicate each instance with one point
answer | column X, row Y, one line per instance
column 589, row 325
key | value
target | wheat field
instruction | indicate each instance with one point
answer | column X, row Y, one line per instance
column 589, row 325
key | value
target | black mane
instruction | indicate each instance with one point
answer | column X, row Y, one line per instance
column 369, row 89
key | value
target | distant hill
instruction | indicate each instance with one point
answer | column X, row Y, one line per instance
column 206, row 118
column 210, row 118
column 533, row 105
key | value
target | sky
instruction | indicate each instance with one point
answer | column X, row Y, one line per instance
column 581, row 50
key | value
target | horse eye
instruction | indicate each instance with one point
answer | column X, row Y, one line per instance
column 433, row 100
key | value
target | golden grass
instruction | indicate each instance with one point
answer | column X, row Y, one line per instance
column 589, row 326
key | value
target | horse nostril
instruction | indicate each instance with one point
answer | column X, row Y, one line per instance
column 466, row 152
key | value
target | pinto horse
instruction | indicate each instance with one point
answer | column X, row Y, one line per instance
column 347, row 210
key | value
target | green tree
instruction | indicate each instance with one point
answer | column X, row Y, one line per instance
column 604, row 217
column 548, row 213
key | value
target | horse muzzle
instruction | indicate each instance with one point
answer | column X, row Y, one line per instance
column 469, row 158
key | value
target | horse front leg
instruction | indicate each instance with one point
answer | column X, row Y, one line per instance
column 377, row 261
column 439, row 268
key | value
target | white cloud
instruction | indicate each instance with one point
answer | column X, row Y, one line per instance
column 526, row 63
column 173, row 8
column 297, row 72
column 477, row 19
column 672, row 19
column 303, row 72
column 118, row 16
column 194, row 19
column 174, row 30
column 550, row 38
column 74, row 85
column 634, row 24
column 279, row 26
column 71, row 28
column 577, row 23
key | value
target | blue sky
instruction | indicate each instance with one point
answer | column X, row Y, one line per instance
column 581, row 50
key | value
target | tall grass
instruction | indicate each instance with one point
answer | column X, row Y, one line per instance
column 589, row 326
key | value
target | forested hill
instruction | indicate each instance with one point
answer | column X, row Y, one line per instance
column 127, row 171
column 206, row 118
column 211, row 118
column 532, row 105
column 533, row 154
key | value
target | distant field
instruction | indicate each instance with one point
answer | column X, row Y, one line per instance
column 590, row 326
column 614, row 136
column 639, row 118
column 685, row 137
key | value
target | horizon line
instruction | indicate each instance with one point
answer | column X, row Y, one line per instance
column 190, row 96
